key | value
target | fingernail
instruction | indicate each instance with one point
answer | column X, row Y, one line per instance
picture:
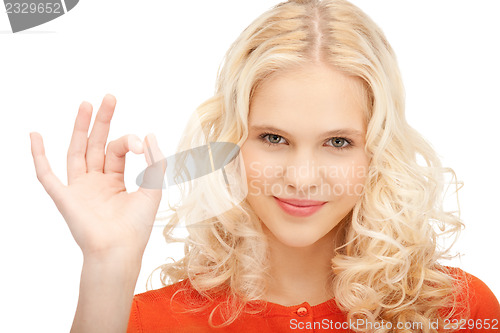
column 137, row 144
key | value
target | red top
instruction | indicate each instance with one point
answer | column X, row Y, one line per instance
column 152, row 311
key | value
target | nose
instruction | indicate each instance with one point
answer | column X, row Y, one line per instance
column 302, row 173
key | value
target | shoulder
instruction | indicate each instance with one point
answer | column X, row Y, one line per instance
column 481, row 301
column 176, row 297
column 168, row 309
column 164, row 293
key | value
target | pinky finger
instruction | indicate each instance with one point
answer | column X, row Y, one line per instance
column 50, row 182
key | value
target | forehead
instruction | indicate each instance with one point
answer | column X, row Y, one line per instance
column 313, row 93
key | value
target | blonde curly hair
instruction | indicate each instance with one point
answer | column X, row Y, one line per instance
column 387, row 268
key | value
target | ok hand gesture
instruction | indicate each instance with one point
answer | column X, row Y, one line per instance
column 102, row 217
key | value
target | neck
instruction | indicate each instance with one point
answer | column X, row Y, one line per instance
column 300, row 274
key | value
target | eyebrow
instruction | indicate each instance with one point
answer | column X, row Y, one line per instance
column 340, row 131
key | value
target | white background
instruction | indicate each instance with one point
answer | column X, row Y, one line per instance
column 160, row 59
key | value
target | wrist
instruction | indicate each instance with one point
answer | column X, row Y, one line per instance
column 121, row 261
column 120, row 254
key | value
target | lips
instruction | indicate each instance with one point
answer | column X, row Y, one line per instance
column 299, row 208
column 302, row 203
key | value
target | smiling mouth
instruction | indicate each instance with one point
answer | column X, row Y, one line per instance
column 299, row 211
column 301, row 203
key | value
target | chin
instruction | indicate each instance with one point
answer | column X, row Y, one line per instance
column 296, row 239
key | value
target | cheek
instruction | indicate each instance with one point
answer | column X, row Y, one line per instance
column 358, row 176
column 347, row 179
column 256, row 171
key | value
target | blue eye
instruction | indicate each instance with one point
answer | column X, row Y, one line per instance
column 339, row 143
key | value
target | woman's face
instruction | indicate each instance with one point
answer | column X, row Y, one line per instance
column 289, row 153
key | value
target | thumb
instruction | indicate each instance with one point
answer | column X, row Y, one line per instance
column 152, row 182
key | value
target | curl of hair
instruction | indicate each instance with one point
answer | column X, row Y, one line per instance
column 387, row 268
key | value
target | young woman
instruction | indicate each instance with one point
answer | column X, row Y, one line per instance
column 339, row 226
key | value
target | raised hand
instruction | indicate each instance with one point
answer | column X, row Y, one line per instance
column 102, row 216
